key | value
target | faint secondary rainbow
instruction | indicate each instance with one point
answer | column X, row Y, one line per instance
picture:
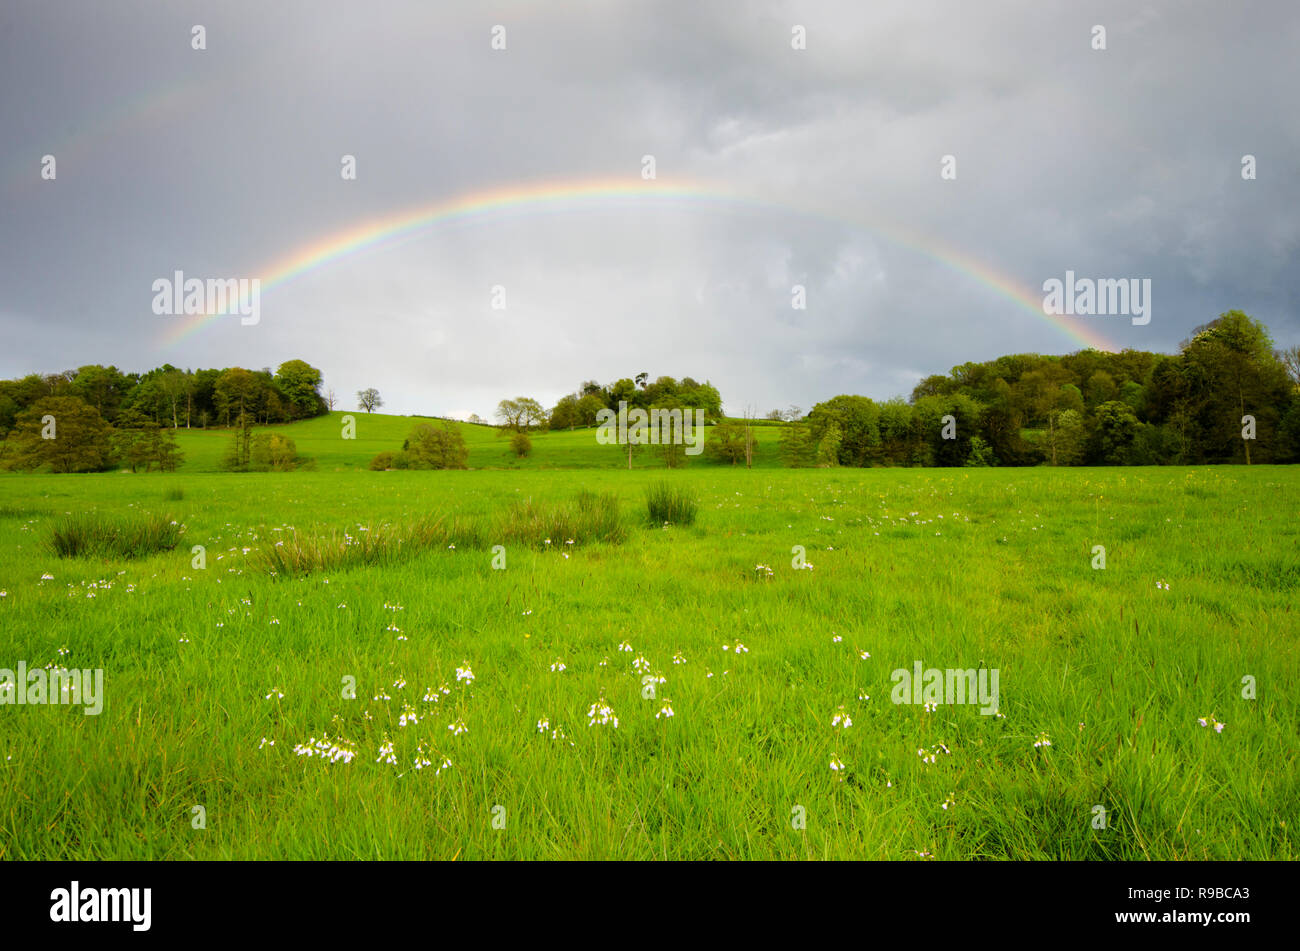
column 553, row 197
column 88, row 136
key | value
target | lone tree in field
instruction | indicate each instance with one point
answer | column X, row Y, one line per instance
column 275, row 452
column 521, row 413
column 436, row 447
column 369, row 400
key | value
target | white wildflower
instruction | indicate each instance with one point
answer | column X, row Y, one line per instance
column 601, row 713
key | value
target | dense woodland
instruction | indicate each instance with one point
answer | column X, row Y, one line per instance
column 97, row 418
column 1227, row 396
column 173, row 397
column 580, row 408
column 1087, row 408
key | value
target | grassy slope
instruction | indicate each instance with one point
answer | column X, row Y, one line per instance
column 321, row 439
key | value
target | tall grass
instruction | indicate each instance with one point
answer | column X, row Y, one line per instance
column 385, row 544
column 174, row 494
column 94, row 535
column 1115, row 670
column 589, row 518
column 667, row 504
column 17, row 511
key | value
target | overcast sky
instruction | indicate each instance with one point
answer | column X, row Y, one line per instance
column 1122, row 163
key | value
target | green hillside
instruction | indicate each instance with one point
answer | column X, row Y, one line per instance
column 322, row 439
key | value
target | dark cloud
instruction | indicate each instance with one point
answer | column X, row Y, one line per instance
column 1122, row 163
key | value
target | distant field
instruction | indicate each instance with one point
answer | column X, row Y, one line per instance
column 206, row 668
column 322, row 439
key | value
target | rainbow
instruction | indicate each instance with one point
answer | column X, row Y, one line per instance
column 569, row 196
column 136, row 115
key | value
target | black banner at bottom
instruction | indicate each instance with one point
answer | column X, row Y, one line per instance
column 1217, row 901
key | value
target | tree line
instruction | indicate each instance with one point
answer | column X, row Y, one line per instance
column 1227, row 396
column 170, row 396
column 579, row 408
column 97, row 418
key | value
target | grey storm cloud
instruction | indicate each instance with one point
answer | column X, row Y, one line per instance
column 816, row 166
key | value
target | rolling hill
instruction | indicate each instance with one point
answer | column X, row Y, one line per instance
column 322, row 439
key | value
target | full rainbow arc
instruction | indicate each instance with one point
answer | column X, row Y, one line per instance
column 567, row 196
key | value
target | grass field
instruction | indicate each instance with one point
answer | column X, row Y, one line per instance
column 212, row 676
column 321, row 439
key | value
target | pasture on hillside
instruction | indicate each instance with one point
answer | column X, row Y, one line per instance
column 411, row 665
column 321, row 439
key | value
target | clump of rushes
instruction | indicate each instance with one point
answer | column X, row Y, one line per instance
column 363, row 546
column 95, row 535
column 670, row 505
column 590, row 518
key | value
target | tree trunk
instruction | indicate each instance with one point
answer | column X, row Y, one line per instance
column 1242, row 400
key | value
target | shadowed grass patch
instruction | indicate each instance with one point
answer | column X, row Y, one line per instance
column 590, row 518
column 91, row 534
column 669, row 504
column 1265, row 574
column 19, row 511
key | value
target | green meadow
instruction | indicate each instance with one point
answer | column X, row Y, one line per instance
column 408, row 665
column 321, row 439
